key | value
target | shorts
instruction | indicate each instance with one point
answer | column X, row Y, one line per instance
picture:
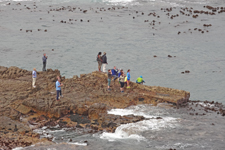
column 99, row 64
column 128, row 79
column 121, row 84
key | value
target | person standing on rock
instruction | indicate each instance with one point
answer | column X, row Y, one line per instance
column 34, row 76
column 128, row 78
column 99, row 60
column 121, row 72
column 104, row 62
column 122, row 79
column 44, row 59
column 58, row 85
column 60, row 92
column 109, row 78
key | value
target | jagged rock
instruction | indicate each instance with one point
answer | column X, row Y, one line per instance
column 85, row 102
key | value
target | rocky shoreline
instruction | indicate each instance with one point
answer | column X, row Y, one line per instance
column 84, row 105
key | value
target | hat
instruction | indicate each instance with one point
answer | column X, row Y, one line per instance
column 140, row 76
column 104, row 52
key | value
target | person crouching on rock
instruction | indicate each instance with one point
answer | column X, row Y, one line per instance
column 114, row 73
column 99, row 60
column 34, row 76
column 128, row 78
column 58, row 85
column 140, row 80
column 109, row 78
column 122, row 79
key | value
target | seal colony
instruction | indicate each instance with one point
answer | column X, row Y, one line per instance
column 84, row 105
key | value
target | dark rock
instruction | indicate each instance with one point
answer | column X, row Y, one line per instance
column 79, row 119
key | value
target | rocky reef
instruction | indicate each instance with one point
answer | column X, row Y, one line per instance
column 84, row 105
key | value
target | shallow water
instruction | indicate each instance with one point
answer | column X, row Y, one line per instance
column 177, row 129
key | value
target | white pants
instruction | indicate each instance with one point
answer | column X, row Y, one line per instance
column 34, row 81
column 104, row 67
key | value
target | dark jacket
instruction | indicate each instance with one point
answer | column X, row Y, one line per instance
column 44, row 59
column 104, row 59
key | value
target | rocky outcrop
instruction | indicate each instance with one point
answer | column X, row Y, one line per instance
column 85, row 102
column 16, row 134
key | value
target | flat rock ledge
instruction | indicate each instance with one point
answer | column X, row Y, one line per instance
column 84, row 104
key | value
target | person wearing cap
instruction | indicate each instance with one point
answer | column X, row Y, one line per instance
column 34, row 76
column 104, row 62
column 140, row 80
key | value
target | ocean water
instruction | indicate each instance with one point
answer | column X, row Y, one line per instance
column 177, row 130
column 130, row 40
column 129, row 43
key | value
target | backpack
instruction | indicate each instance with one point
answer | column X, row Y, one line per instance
column 98, row 58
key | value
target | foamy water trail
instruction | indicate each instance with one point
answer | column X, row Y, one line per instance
column 134, row 130
column 78, row 143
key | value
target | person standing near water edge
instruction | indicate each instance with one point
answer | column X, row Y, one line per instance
column 99, row 60
column 140, row 80
column 44, row 59
column 104, row 62
column 34, row 76
column 128, row 78
column 58, row 88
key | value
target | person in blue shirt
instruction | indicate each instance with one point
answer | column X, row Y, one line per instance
column 58, row 85
column 34, row 76
column 114, row 73
column 140, row 80
column 121, row 72
column 128, row 78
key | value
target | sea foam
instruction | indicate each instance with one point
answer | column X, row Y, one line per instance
column 134, row 130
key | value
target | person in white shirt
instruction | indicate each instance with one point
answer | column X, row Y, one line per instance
column 34, row 76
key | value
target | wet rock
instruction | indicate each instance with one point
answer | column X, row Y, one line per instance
column 79, row 119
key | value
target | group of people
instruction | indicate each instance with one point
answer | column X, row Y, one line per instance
column 34, row 73
column 115, row 73
column 58, row 83
column 102, row 61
